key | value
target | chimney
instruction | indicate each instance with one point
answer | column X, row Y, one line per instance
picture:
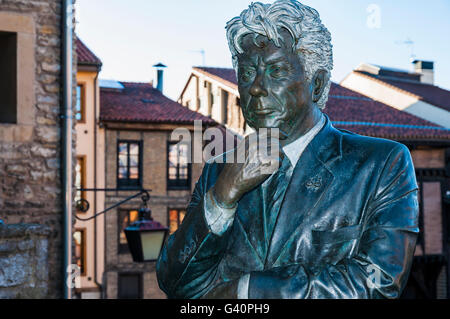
column 426, row 69
column 159, row 76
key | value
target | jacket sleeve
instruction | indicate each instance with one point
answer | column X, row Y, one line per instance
column 381, row 264
column 188, row 262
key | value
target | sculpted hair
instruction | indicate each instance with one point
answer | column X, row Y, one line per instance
column 311, row 38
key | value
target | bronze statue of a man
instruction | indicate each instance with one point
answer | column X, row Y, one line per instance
column 338, row 219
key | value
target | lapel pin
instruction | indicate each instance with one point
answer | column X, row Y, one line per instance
column 314, row 183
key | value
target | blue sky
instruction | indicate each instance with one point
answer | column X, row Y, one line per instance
column 130, row 36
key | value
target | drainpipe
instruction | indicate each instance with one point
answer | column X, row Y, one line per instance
column 66, row 134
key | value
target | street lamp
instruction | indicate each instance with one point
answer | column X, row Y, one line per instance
column 145, row 237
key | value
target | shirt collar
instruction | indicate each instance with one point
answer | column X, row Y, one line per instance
column 295, row 149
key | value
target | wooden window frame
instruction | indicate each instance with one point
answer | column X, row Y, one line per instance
column 171, row 185
column 225, row 104
column 82, row 103
column 84, row 251
column 121, row 184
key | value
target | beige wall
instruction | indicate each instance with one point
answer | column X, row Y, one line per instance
column 94, row 178
column 396, row 98
column 234, row 122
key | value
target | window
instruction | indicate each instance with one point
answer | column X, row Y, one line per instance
column 199, row 104
column 210, row 99
column 225, row 98
column 80, row 106
column 17, row 76
column 431, row 197
column 129, row 170
column 79, row 237
column 80, row 177
column 178, row 166
column 8, row 78
column 176, row 217
column 126, row 218
column 130, row 286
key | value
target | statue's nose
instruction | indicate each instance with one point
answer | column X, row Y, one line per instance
column 258, row 88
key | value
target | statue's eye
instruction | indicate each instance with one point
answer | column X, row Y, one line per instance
column 247, row 74
column 276, row 71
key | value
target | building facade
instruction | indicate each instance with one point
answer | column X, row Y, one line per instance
column 141, row 153
column 213, row 92
column 411, row 92
column 88, row 237
column 30, row 149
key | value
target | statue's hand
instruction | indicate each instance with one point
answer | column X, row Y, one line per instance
column 236, row 179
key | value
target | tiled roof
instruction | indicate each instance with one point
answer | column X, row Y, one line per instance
column 141, row 103
column 360, row 114
column 431, row 94
column 224, row 75
column 86, row 56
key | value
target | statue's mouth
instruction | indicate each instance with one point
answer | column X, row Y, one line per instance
column 264, row 112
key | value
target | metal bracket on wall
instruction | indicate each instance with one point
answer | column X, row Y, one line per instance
column 83, row 205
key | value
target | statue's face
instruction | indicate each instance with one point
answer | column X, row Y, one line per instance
column 272, row 85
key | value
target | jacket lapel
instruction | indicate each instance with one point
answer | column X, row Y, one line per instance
column 250, row 215
column 310, row 180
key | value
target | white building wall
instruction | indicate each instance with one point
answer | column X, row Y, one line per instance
column 396, row 99
column 217, row 87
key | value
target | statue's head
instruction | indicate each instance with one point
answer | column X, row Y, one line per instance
column 283, row 58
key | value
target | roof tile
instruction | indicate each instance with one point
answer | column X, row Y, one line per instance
column 85, row 55
column 140, row 102
column 360, row 114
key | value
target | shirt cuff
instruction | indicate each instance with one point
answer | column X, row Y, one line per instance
column 243, row 287
column 219, row 219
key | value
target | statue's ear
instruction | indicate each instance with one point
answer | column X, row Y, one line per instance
column 318, row 84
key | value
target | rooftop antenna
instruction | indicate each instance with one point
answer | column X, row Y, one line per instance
column 203, row 53
column 410, row 44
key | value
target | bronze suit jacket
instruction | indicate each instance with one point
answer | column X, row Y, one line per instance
column 347, row 228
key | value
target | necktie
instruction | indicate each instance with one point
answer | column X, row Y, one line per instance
column 275, row 189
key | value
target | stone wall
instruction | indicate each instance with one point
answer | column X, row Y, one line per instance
column 30, row 187
column 23, row 261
